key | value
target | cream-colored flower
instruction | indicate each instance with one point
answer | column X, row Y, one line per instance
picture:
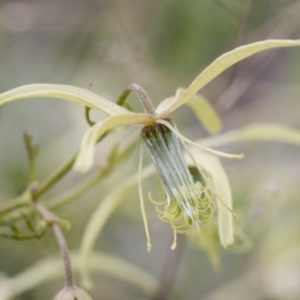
column 188, row 203
column 119, row 117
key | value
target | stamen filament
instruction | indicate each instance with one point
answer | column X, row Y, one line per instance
column 227, row 207
column 142, row 203
column 209, row 150
column 174, row 245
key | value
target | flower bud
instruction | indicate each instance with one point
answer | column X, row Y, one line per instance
column 72, row 293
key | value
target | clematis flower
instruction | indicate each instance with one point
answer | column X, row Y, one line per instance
column 189, row 203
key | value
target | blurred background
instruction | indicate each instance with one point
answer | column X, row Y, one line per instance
column 161, row 45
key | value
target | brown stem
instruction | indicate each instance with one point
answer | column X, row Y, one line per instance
column 142, row 95
column 64, row 252
column 53, row 221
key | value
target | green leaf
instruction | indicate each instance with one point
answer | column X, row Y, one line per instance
column 222, row 63
column 86, row 152
column 65, row 92
column 256, row 132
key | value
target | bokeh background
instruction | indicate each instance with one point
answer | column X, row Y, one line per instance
column 160, row 45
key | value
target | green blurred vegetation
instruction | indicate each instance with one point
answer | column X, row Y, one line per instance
column 161, row 45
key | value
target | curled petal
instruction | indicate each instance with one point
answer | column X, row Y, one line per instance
column 256, row 132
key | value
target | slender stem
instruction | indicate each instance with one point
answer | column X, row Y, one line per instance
column 53, row 220
column 87, row 116
column 76, row 192
column 32, row 152
column 41, row 189
column 64, row 251
column 13, row 205
column 58, row 174
column 65, row 198
column 93, row 180
column 142, row 95
column 55, row 177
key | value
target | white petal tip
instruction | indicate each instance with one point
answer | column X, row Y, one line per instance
column 81, row 166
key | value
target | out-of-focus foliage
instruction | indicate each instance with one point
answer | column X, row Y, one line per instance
column 160, row 45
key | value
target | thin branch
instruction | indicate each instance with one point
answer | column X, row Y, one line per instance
column 53, row 221
column 32, row 152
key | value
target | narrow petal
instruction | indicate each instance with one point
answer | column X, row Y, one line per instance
column 256, row 132
column 85, row 156
column 205, row 113
column 65, row 92
column 202, row 108
column 222, row 63
column 200, row 146
column 164, row 104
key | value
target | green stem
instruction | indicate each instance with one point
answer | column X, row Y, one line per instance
column 58, row 174
column 13, row 205
column 32, row 152
column 87, row 116
column 35, row 192
column 76, row 192
column 92, row 181
column 55, row 177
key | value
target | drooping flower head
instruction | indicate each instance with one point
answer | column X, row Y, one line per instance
column 180, row 197
column 187, row 203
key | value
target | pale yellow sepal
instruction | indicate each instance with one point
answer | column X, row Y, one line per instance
column 86, row 153
column 202, row 108
column 256, row 132
column 65, row 92
column 222, row 63
column 205, row 112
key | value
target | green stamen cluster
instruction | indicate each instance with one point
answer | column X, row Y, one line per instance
column 187, row 203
